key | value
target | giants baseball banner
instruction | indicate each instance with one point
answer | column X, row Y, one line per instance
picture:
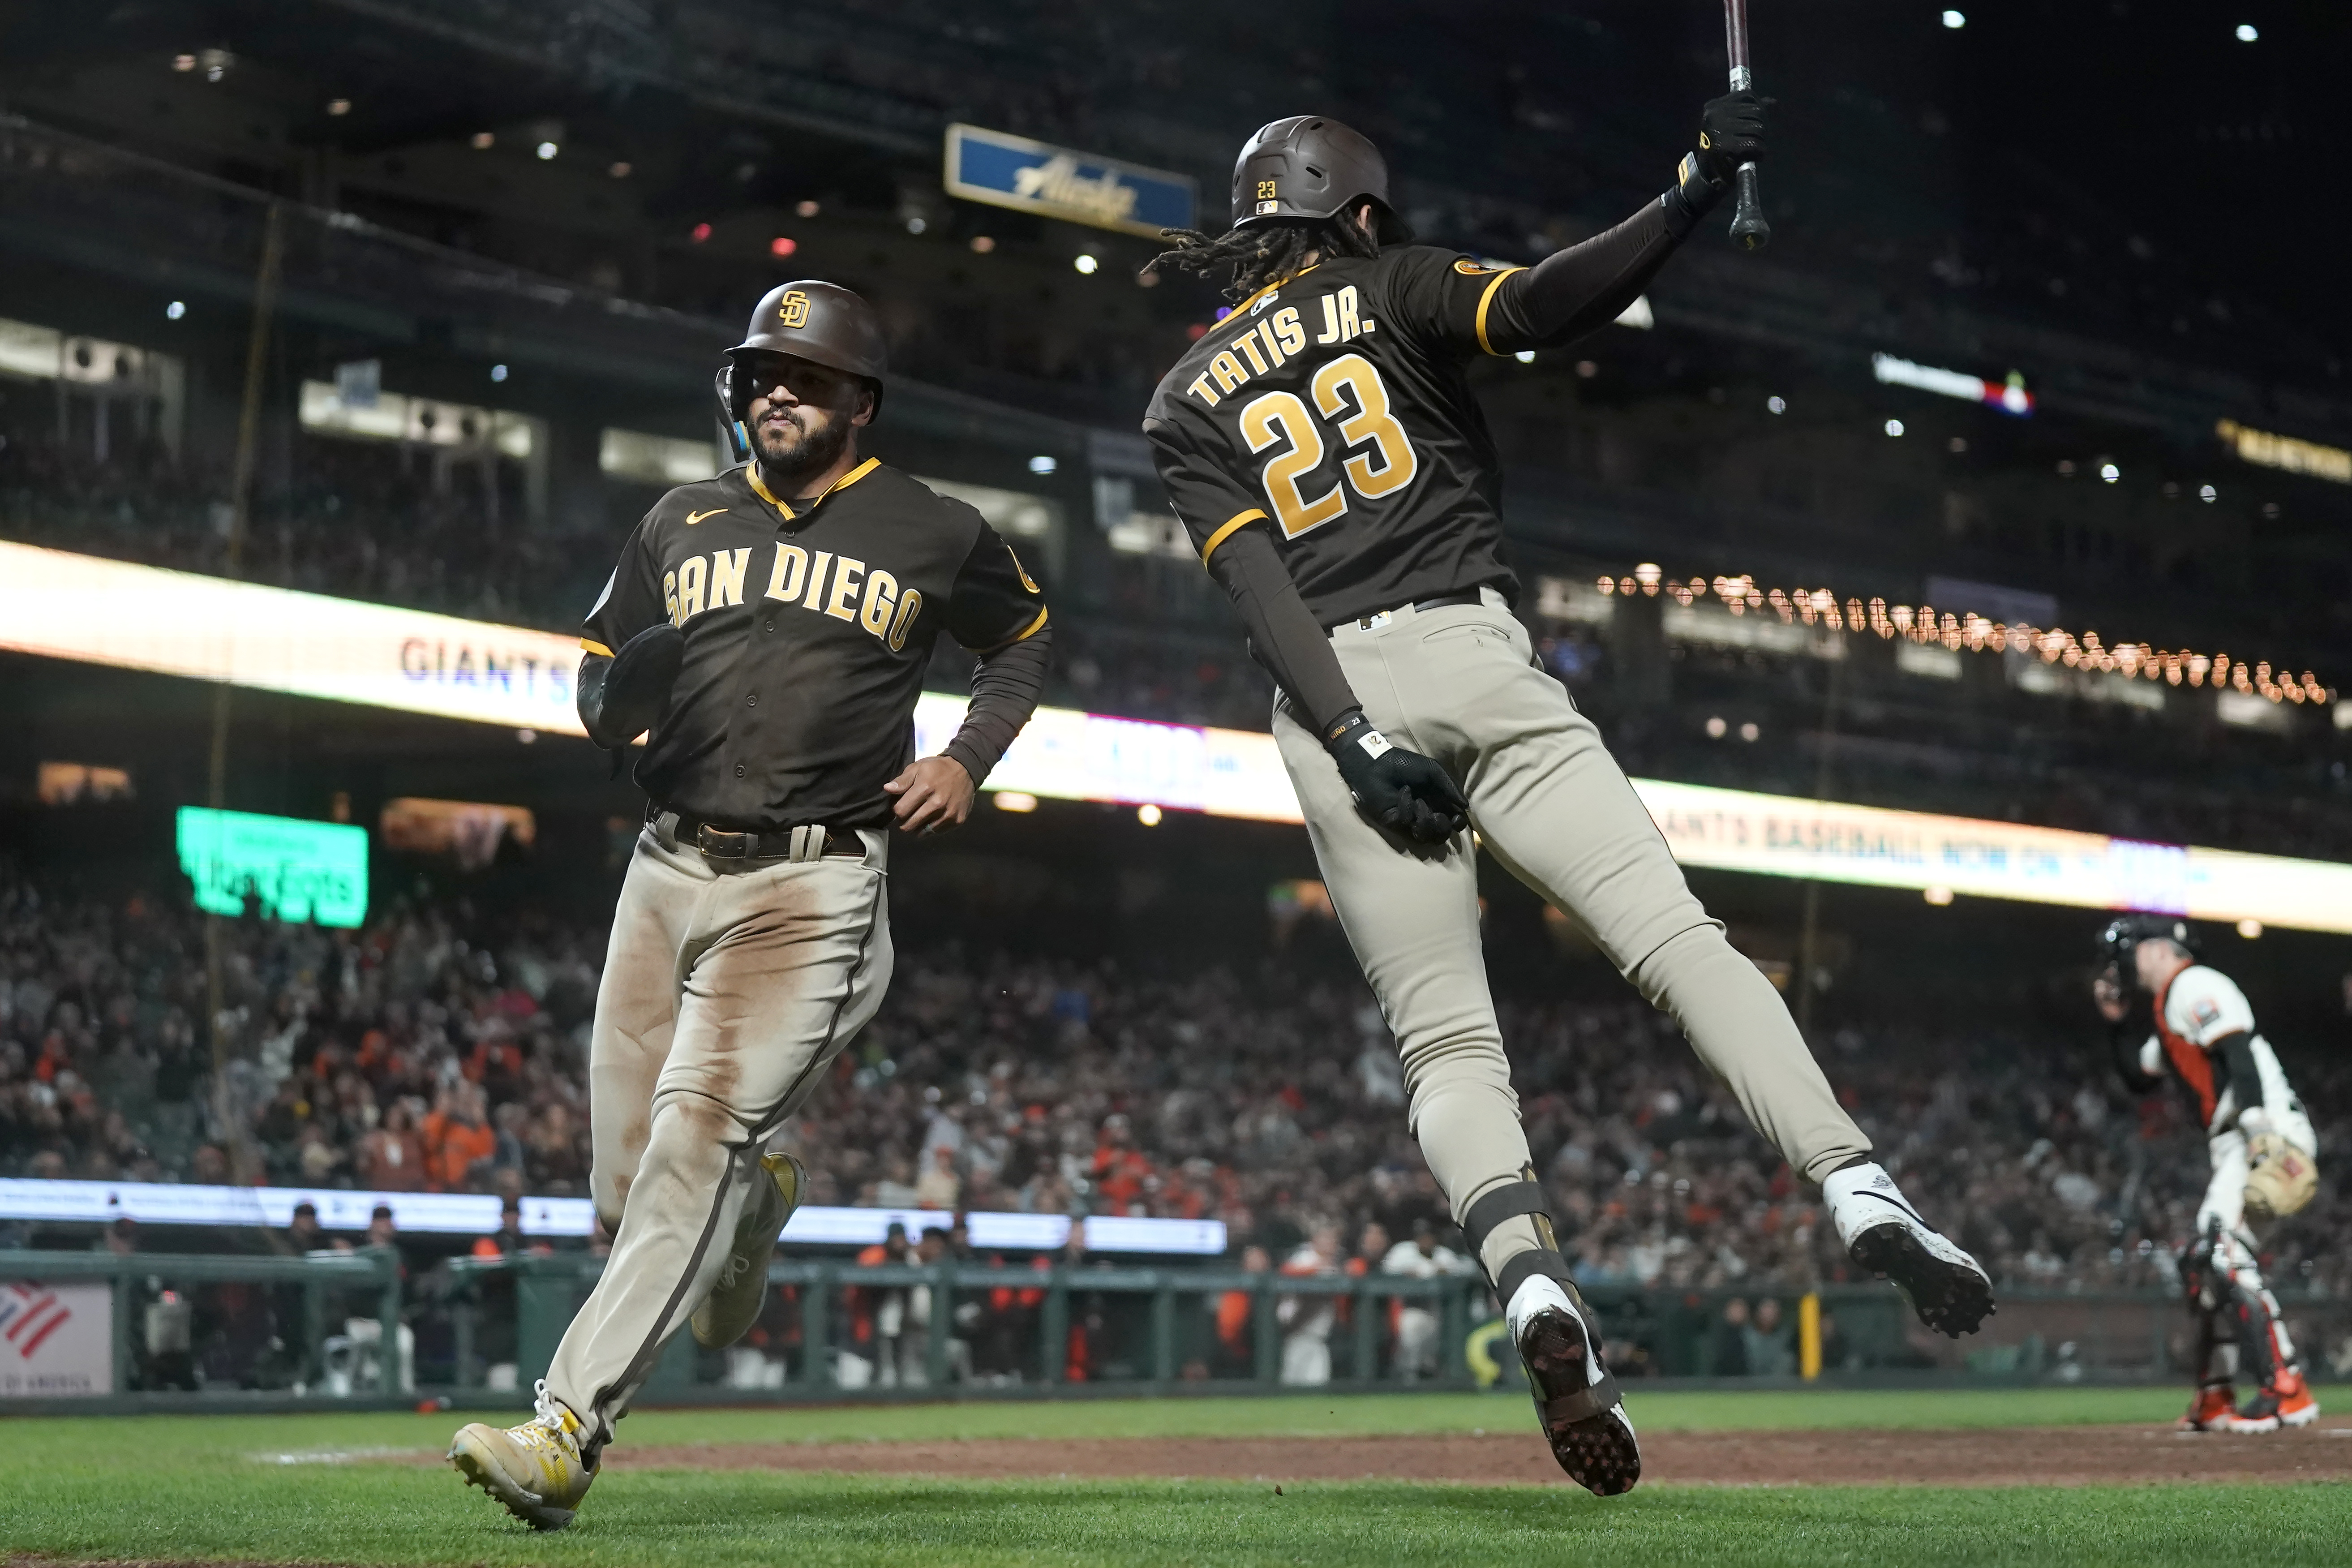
column 56, row 1341
column 310, row 644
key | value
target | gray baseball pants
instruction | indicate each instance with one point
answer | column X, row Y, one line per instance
column 1460, row 684
column 725, row 995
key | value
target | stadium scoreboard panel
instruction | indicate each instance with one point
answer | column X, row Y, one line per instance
column 314, row 871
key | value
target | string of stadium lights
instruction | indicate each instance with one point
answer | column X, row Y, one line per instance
column 1923, row 624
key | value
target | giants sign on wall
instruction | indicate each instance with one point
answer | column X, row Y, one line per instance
column 56, row 1341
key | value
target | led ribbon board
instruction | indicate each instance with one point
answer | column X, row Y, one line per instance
column 297, row 870
column 275, row 639
column 138, row 617
column 473, row 1213
column 1055, row 182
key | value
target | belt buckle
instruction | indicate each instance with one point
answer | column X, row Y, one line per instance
column 721, row 844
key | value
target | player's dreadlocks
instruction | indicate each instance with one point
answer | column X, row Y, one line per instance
column 1264, row 253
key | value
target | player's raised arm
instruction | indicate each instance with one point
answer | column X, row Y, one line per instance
column 630, row 651
column 1579, row 289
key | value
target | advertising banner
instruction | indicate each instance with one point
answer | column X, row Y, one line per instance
column 109, row 612
column 56, row 1341
column 1028, row 176
column 313, row 872
column 275, row 639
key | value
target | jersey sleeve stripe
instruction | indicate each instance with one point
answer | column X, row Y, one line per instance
column 592, row 645
column 1033, row 628
column 1486, row 299
column 1238, row 520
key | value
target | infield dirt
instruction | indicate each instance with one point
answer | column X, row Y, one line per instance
column 2035, row 1455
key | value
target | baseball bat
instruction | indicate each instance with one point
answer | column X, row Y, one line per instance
column 1749, row 229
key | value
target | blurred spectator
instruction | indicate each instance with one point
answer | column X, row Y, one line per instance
column 459, row 1144
column 392, row 1154
column 1307, row 1320
column 1769, row 1343
column 1416, row 1322
column 939, row 1186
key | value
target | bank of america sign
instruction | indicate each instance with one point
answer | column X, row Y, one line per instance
column 1055, row 182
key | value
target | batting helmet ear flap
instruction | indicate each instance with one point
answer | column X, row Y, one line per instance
column 731, row 418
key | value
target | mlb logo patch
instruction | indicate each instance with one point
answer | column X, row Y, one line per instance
column 1265, row 208
column 2206, row 1011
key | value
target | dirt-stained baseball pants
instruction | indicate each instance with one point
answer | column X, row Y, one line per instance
column 1552, row 806
column 725, row 995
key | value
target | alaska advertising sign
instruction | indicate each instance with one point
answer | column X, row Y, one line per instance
column 1055, row 182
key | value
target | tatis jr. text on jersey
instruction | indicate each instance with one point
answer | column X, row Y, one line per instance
column 1275, row 339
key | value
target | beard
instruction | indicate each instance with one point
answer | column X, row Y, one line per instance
column 791, row 454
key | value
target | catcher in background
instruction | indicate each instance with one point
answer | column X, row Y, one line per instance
column 2262, row 1148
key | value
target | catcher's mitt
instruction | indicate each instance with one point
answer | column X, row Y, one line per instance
column 2282, row 1180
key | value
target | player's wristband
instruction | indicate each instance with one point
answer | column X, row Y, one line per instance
column 1691, row 197
column 1352, row 730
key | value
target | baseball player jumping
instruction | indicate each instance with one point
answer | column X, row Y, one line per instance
column 770, row 627
column 2262, row 1148
column 1323, row 448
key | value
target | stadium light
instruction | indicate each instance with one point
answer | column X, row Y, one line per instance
column 497, row 373
column 483, row 140
column 1717, row 727
column 546, row 150
column 982, row 244
column 2208, row 493
column 1939, row 895
column 807, row 209
column 2250, row 928
column 2110, row 473
column 1894, row 427
column 1955, row 20
column 783, row 245
column 1085, row 263
column 339, row 106
column 2248, row 32
column 175, row 309
column 1042, row 463
column 620, row 169
column 1147, row 814
column 1777, row 403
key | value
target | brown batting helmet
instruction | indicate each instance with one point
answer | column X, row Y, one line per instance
column 1310, row 165
column 821, row 322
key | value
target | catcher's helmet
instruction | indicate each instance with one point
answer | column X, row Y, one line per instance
column 821, row 322
column 1312, row 166
column 2120, row 935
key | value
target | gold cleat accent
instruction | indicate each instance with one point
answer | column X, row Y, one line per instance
column 733, row 1305
column 535, row 1469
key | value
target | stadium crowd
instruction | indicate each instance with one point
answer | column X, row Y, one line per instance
column 440, row 1049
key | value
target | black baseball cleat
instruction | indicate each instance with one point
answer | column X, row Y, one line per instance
column 1577, row 1402
column 1883, row 1233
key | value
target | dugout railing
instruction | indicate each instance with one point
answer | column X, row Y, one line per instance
column 259, row 1330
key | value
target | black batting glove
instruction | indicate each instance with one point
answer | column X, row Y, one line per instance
column 1403, row 791
column 1730, row 133
column 620, row 698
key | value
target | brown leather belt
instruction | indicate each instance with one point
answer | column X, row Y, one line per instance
column 809, row 841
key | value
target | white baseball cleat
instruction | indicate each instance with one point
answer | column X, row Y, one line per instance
column 536, row 1469
column 1883, row 1233
column 1576, row 1399
column 733, row 1305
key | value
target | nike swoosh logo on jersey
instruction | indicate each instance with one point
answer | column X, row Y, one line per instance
column 694, row 517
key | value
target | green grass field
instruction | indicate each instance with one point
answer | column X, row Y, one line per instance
column 265, row 1488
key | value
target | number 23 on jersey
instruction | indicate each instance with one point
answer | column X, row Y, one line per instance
column 1350, row 398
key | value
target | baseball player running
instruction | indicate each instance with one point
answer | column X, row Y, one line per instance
column 771, row 627
column 2262, row 1148
column 1322, row 446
